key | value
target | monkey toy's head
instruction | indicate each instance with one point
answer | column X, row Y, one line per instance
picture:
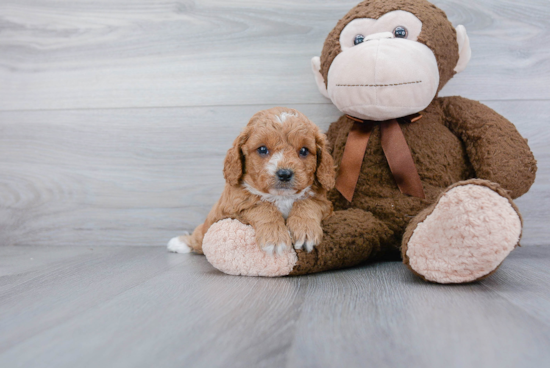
column 389, row 58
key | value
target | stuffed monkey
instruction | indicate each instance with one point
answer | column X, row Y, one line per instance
column 431, row 179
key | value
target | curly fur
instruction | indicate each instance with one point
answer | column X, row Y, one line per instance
column 280, row 213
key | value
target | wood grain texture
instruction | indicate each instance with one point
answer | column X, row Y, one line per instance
column 140, row 176
column 383, row 316
column 115, row 117
column 145, row 53
column 144, row 307
column 78, row 167
column 519, row 282
column 118, row 177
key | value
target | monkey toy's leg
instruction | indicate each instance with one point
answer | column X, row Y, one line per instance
column 465, row 235
column 350, row 237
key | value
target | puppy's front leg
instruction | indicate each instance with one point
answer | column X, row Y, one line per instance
column 304, row 222
column 271, row 232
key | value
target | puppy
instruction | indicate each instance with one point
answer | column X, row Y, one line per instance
column 277, row 176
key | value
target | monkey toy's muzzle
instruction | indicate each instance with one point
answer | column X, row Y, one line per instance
column 383, row 78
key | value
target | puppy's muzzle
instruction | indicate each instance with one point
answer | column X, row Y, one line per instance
column 285, row 175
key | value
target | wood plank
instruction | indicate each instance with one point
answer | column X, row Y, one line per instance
column 115, row 177
column 524, row 280
column 18, row 262
column 54, row 294
column 22, row 264
column 146, row 53
column 140, row 176
column 143, row 307
column 383, row 316
column 189, row 313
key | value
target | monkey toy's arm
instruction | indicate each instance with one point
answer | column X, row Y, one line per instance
column 494, row 146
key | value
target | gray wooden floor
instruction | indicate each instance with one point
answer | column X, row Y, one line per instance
column 115, row 116
column 144, row 307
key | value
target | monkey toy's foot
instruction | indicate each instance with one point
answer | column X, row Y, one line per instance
column 465, row 235
column 230, row 246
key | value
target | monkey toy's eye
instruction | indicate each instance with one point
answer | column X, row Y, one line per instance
column 358, row 39
column 304, row 152
column 400, row 32
column 263, row 151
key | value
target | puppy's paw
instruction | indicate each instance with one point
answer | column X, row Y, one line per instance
column 179, row 245
column 275, row 249
column 305, row 233
column 273, row 239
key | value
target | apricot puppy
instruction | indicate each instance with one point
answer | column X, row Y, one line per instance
column 277, row 176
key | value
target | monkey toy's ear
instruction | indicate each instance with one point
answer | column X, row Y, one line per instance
column 316, row 66
column 464, row 51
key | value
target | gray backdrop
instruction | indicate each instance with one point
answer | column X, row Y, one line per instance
column 115, row 116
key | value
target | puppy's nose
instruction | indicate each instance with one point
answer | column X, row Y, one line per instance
column 285, row 174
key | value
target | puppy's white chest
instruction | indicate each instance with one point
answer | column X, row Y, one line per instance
column 284, row 205
column 283, row 202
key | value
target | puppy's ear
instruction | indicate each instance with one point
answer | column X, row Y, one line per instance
column 325, row 165
column 233, row 168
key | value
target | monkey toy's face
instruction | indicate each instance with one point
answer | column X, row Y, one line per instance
column 382, row 70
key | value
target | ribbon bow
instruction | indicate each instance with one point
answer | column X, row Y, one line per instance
column 395, row 149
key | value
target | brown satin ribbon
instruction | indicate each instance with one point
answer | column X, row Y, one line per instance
column 395, row 148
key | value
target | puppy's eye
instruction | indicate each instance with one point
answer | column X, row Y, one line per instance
column 400, row 32
column 358, row 39
column 263, row 151
column 304, row 152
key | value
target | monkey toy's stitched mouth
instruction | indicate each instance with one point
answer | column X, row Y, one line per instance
column 377, row 85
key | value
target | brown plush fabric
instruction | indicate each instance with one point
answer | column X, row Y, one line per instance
column 437, row 32
column 427, row 211
column 496, row 149
column 350, row 237
column 496, row 152
column 456, row 140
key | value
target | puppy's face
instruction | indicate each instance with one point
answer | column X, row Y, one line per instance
column 281, row 153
